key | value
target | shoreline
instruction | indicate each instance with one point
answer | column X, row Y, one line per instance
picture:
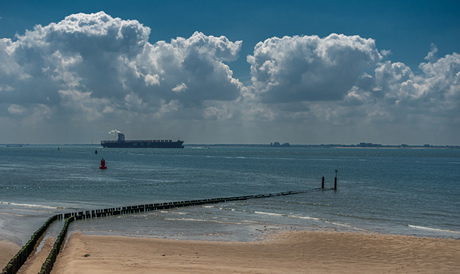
column 284, row 252
column 264, row 239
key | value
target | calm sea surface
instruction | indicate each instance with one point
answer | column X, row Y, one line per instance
column 394, row 191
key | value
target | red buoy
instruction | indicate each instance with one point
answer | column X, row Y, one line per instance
column 103, row 164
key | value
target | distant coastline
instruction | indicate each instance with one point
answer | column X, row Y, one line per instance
column 284, row 145
column 360, row 145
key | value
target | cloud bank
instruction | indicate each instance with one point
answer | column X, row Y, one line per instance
column 90, row 73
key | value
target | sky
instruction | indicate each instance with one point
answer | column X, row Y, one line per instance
column 223, row 72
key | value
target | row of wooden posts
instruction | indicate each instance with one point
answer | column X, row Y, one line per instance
column 159, row 206
column 20, row 258
column 335, row 183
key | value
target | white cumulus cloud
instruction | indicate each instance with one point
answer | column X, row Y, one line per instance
column 341, row 83
column 92, row 65
column 309, row 68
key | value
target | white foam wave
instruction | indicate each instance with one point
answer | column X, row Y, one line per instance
column 339, row 224
column 345, row 225
column 268, row 213
column 201, row 220
column 304, row 217
column 226, row 208
column 11, row 214
column 186, row 219
column 433, row 229
column 31, row 205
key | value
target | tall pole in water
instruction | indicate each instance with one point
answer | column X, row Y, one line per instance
column 335, row 180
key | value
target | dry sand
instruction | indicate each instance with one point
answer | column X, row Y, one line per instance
column 7, row 251
column 288, row 252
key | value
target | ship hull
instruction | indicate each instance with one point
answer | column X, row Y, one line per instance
column 143, row 144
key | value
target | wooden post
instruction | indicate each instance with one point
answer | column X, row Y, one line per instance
column 322, row 183
column 335, row 180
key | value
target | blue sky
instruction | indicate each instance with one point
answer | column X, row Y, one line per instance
column 384, row 95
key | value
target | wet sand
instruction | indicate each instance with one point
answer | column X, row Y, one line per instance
column 287, row 252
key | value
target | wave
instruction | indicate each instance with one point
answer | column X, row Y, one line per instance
column 362, row 217
column 304, row 217
column 187, row 219
column 269, row 213
column 228, row 209
column 12, row 214
column 289, row 216
column 433, row 229
column 310, row 204
column 227, row 157
column 32, row 205
column 339, row 224
column 201, row 220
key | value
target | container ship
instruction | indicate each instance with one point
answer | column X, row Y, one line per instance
column 122, row 143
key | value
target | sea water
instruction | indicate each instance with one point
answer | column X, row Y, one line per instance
column 393, row 191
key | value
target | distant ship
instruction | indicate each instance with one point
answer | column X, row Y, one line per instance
column 122, row 143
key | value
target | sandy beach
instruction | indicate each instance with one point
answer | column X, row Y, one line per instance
column 7, row 251
column 287, row 252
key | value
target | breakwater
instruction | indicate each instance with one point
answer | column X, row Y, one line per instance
column 51, row 259
column 159, row 206
column 20, row 258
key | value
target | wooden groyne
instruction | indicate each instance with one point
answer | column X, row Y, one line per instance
column 51, row 259
column 160, row 206
column 335, row 183
column 20, row 258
